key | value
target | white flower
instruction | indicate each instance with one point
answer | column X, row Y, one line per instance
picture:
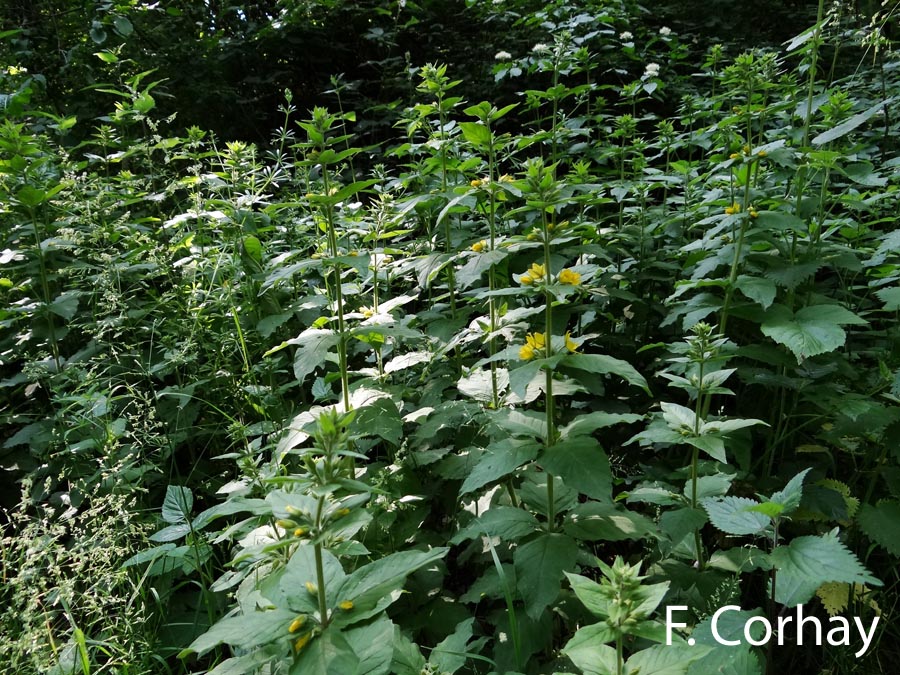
column 540, row 48
column 652, row 70
column 502, row 637
column 665, row 31
column 401, row 3
column 626, row 36
column 502, row 56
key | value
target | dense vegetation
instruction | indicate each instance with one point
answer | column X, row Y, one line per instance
column 443, row 337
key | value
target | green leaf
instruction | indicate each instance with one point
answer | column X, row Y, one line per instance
column 811, row 331
column 477, row 265
column 312, row 346
column 506, row 522
column 290, row 590
column 373, row 644
column 790, row 496
column 582, row 464
column 760, row 290
column 380, row 418
column 672, row 659
column 812, row 561
column 849, row 125
column 30, row 196
column 123, row 26
column 328, row 654
column 732, row 515
column 372, row 585
column 593, row 521
column 540, row 565
column 600, row 364
column 890, row 297
column 587, row 651
column 177, row 505
column 66, row 305
column 476, row 133
column 592, row 595
column 449, row 655
column 498, row 461
column 245, row 631
column 591, row 422
column 408, row 659
column 881, row 523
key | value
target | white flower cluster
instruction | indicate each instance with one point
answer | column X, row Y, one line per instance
column 652, row 70
column 665, row 31
column 502, row 56
column 626, row 36
column 540, row 48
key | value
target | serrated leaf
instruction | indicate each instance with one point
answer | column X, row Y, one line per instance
column 881, row 523
column 477, row 265
column 327, row 654
column 540, row 565
column 792, row 493
column 758, row 289
column 835, row 596
column 890, row 297
column 372, row 643
column 808, row 562
column 811, row 331
column 731, row 515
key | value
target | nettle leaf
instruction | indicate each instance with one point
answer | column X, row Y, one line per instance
column 540, row 565
column 789, row 498
column 890, row 297
column 592, row 595
column 734, row 515
column 808, row 562
column 881, row 523
column 811, row 331
column 506, row 522
column 373, row 644
column 177, row 504
column 582, row 464
column 313, row 346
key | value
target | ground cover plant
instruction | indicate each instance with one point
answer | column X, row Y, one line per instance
column 533, row 363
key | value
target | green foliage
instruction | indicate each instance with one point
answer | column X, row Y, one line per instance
column 386, row 391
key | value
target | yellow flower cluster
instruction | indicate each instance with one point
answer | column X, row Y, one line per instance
column 534, row 273
column 569, row 277
column 479, row 246
column 753, row 212
column 734, row 208
column 534, row 344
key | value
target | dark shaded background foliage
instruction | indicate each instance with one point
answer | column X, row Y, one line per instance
column 224, row 66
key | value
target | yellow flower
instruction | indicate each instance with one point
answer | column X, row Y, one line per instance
column 311, row 588
column 571, row 345
column 479, row 246
column 367, row 312
column 569, row 277
column 297, row 624
column 733, row 155
column 536, row 271
column 526, row 280
column 302, row 642
column 534, row 343
column 753, row 212
column 734, row 208
column 761, row 153
column 476, row 183
column 746, row 149
column 300, row 531
column 346, row 605
column 506, row 178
